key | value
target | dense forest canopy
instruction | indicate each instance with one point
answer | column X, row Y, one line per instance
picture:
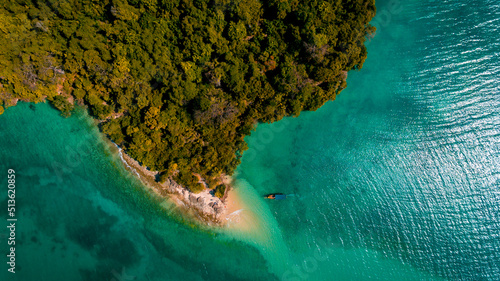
column 179, row 83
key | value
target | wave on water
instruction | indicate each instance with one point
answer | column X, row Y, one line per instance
column 132, row 169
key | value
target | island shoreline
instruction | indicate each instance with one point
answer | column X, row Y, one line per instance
column 202, row 207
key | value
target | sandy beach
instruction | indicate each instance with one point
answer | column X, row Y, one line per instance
column 228, row 212
column 237, row 214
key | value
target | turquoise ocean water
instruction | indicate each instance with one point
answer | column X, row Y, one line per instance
column 398, row 179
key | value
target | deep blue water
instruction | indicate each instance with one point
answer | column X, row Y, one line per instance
column 397, row 179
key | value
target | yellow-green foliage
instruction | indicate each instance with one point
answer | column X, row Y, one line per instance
column 187, row 80
column 62, row 104
column 220, row 190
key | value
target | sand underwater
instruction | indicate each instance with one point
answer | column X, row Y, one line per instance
column 397, row 179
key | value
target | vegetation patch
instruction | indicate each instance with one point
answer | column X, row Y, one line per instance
column 180, row 83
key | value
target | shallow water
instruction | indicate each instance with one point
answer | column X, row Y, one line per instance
column 82, row 216
column 400, row 176
column 398, row 179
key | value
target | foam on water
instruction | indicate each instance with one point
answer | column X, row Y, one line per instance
column 398, row 179
column 83, row 216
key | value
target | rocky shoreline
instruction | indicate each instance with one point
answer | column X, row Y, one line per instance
column 202, row 206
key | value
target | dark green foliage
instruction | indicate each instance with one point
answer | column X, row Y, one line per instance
column 180, row 83
column 220, row 190
column 61, row 102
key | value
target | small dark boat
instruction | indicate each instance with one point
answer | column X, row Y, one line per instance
column 276, row 196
